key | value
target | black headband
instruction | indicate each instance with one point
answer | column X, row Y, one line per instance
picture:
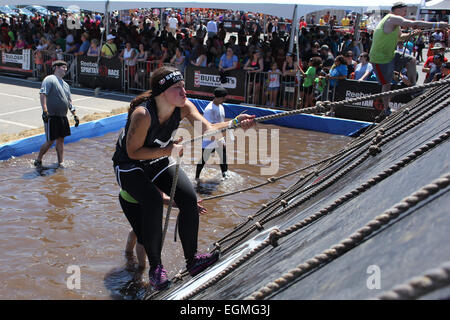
column 166, row 82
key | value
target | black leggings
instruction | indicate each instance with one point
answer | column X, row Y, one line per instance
column 206, row 153
column 146, row 218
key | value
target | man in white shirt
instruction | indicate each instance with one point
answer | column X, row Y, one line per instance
column 173, row 23
column 211, row 27
column 214, row 113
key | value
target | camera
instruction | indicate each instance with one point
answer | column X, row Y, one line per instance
column 73, row 22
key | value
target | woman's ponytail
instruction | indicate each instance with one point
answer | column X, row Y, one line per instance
column 138, row 101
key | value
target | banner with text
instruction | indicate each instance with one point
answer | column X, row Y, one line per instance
column 16, row 62
column 201, row 81
column 366, row 110
column 107, row 73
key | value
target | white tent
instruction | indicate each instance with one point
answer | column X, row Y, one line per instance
column 280, row 8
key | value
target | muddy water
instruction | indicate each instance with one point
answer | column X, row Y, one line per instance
column 71, row 217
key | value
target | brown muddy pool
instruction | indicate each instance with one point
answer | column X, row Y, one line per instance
column 71, row 218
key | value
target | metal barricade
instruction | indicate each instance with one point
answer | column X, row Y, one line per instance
column 137, row 76
column 43, row 59
column 271, row 90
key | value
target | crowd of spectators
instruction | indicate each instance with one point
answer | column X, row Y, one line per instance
column 199, row 37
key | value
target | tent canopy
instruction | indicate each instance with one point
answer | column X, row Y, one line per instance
column 280, row 8
column 443, row 5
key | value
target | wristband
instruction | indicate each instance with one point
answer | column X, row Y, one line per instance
column 233, row 123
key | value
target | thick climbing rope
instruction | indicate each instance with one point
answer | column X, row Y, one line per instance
column 430, row 281
column 302, row 200
column 276, row 234
column 355, row 239
column 321, row 106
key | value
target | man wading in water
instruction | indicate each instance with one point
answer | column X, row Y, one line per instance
column 55, row 101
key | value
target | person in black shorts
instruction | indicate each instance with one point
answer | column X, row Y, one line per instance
column 144, row 167
column 55, row 102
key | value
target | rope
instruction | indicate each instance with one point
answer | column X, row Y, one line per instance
column 416, row 287
column 373, row 150
column 172, row 196
column 351, row 194
column 355, row 239
column 412, row 122
column 320, row 107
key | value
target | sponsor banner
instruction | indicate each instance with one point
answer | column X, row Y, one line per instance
column 202, row 81
column 17, row 62
column 107, row 73
column 365, row 110
column 232, row 25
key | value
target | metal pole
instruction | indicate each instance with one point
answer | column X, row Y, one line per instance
column 293, row 30
column 107, row 17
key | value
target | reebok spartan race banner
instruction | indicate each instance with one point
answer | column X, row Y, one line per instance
column 107, row 73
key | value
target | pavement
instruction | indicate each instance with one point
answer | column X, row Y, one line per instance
column 21, row 109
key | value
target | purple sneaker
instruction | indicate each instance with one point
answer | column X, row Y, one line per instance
column 158, row 277
column 201, row 262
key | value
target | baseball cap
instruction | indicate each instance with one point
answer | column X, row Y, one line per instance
column 220, row 92
column 58, row 63
column 324, row 47
column 437, row 46
column 398, row 5
column 110, row 37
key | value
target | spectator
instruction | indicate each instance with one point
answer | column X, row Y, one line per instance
column 364, row 68
column 178, row 59
column 402, row 48
column 444, row 72
column 201, row 32
column 254, row 67
column 307, row 88
column 201, row 60
column 228, row 61
column 420, row 44
column 109, row 49
column 93, row 51
column 438, row 48
column 211, row 27
column 268, row 60
column 84, row 48
column 141, row 67
column 337, row 72
column 289, row 73
column 43, row 44
column 128, row 56
column 354, row 47
column 20, row 43
column 274, row 76
column 351, row 64
column 438, row 60
column 326, row 56
column 173, row 24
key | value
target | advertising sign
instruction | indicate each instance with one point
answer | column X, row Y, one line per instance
column 16, row 62
column 107, row 73
column 201, row 81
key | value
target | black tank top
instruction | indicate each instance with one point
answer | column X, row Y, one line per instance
column 157, row 136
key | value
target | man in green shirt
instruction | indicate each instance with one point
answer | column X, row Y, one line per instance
column 383, row 56
column 109, row 49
